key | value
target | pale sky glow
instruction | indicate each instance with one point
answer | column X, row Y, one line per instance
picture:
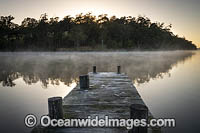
column 184, row 15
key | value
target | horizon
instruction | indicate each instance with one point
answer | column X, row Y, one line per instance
column 183, row 15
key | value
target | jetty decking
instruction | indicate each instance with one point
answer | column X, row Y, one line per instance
column 109, row 94
column 107, row 90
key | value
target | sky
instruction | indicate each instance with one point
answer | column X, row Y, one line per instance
column 184, row 15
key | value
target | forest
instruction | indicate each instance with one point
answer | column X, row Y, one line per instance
column 88, row 32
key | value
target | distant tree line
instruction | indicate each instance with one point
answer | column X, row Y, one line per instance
column 90, row 32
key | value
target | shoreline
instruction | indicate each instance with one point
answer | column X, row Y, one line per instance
column 118, row 50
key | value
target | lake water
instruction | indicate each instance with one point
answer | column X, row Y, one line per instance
column 169, row 83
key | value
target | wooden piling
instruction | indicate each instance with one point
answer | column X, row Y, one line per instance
column 94, row 69
column 118, row 69
column 138, row 111
column 55, row 107
column 84, row 81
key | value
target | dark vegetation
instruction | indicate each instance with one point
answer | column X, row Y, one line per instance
column 88, row 32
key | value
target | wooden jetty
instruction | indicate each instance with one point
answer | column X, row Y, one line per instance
column 102, row 94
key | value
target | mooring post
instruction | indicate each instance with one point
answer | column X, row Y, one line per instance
column 94, row 69
column 138, row 111
column 118, row 69
column 55, row 107
column 84, row 81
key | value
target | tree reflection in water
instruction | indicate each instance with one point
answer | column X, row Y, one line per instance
column 53, row 68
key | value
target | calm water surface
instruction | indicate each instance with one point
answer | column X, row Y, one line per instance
column 169, row 83
column 176, row 96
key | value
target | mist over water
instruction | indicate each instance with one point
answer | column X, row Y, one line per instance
column 29, row 78
column 50, row 68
